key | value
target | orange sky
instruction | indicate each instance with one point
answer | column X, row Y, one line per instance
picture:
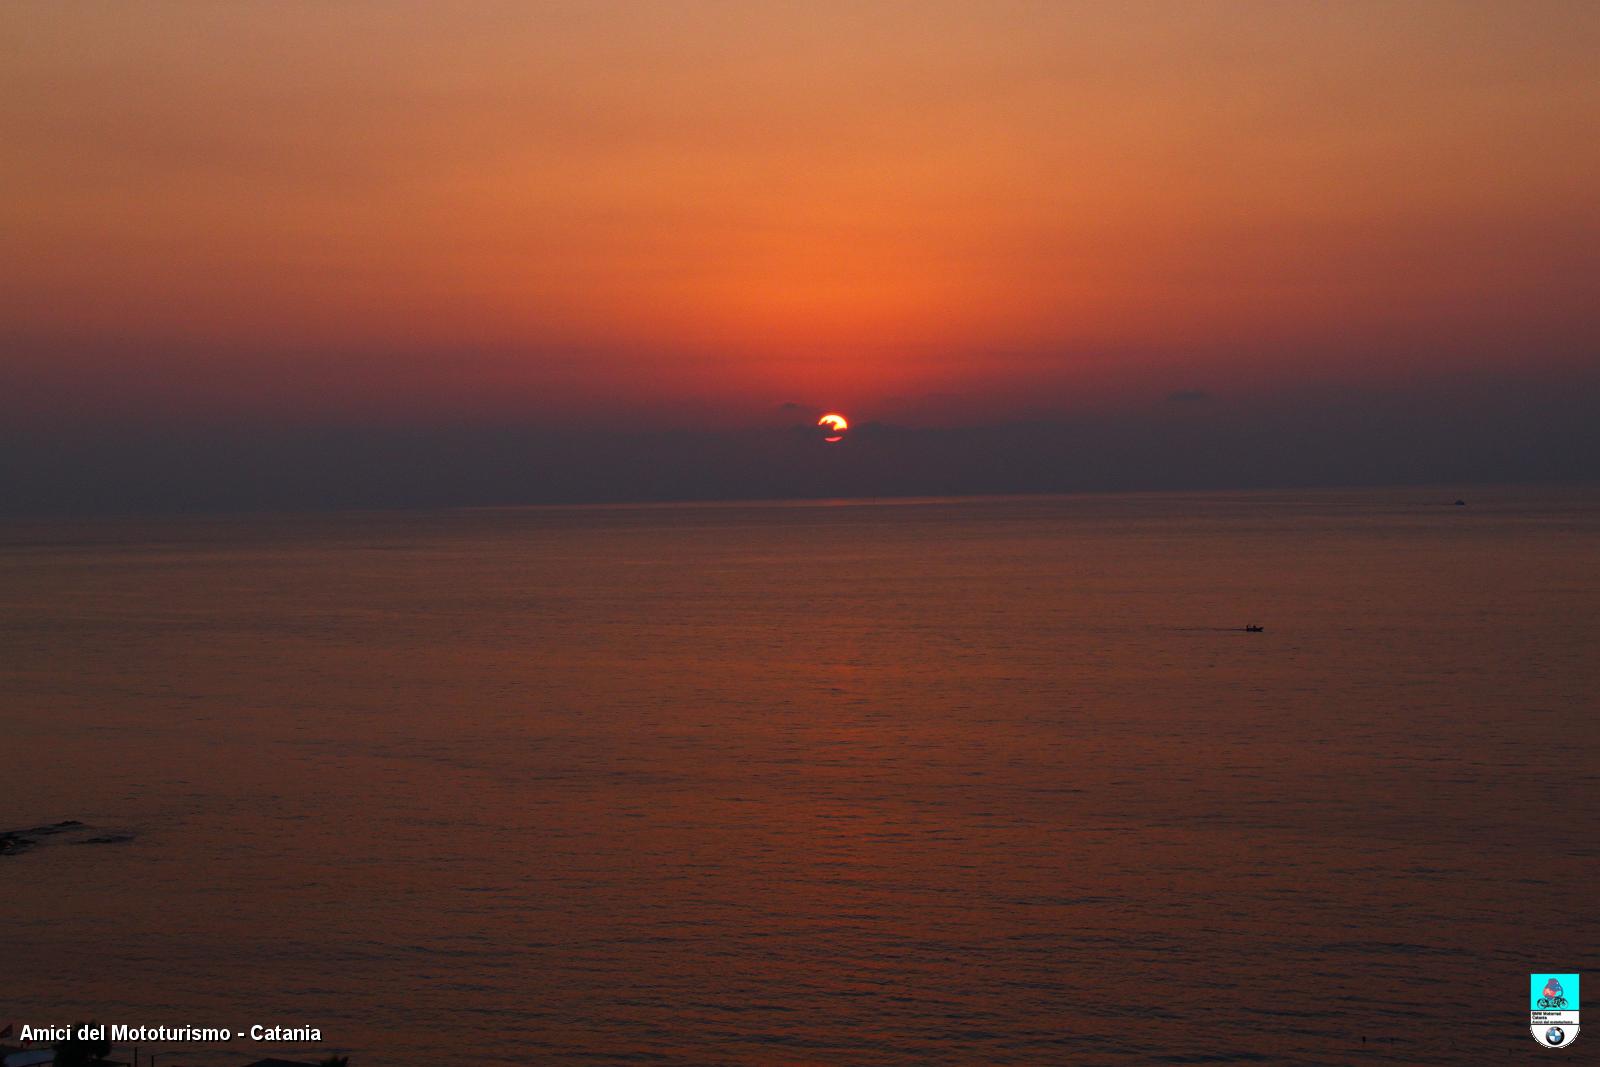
column 635, row 210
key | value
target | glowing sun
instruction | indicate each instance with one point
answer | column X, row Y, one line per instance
column 834, row 425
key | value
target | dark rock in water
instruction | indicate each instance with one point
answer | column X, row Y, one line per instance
column 1461, row 503
column 14, row 841
column 11, row 843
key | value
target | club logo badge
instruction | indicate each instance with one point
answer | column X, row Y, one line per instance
column 1553, row 1008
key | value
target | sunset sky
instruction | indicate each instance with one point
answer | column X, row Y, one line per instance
column 662, row 216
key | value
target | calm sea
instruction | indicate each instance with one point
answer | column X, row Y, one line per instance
column 965, row 782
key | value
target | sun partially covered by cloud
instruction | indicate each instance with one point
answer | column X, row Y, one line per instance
column 834, row 426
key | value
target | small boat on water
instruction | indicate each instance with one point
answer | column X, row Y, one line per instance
column 1253, row 629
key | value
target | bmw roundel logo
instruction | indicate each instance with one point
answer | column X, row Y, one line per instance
column 1555, row 1035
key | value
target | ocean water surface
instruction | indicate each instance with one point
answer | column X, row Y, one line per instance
column 963, row 782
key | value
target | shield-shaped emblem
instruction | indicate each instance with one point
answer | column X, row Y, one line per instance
column 1553, row 1008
